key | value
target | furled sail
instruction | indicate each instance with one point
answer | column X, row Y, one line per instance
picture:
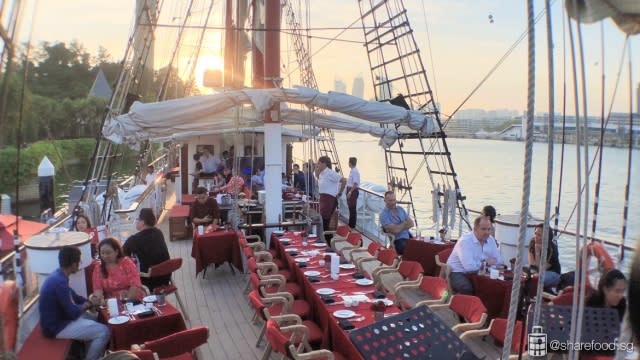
column 217, row 112
column 625, row 13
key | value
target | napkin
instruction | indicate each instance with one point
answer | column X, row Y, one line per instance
column 335, row 265
column 359, row 297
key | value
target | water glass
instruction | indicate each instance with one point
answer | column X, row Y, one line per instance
column 348, row 302
column 161, row 299
column 321, row 262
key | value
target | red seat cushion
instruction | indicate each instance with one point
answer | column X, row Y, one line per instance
column 292, row 288
column 316, row 334
column 300, row 308
column 286, row 273
column 468, row 306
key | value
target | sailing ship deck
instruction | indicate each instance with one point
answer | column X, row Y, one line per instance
column 216, row 301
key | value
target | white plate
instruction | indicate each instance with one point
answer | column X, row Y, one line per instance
column 119, row 320
column 279, row 232
column 291, row 249
column 313, row 235
column 285, row 240
column 386, row 302
column 344, row 314
column 325, row 291
column 312, row 273
column 319, row 245
column 347, row 266
column 150, row 298
column 364, row 282
column 302, row 260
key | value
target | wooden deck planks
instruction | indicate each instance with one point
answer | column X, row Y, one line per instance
column 216, row 302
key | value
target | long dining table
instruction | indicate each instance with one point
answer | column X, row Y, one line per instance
column 323, row 313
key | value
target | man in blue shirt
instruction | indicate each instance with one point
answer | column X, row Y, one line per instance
column 62, row 311
column 395, row 220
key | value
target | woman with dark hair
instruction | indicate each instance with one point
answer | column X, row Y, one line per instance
column 148, row 246
column 611, row 289
column 82, row 223
column 116, row 274
column 490, row 212
column 552, row 264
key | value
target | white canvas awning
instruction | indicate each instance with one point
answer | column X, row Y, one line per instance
column 223, row 111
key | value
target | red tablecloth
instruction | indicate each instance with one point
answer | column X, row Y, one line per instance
column 425, row 253
column 140, row 330
column 496, row 294
column 216, row 247
column 334, row 337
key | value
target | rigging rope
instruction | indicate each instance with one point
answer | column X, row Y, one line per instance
column 526, row 184
column 547, row 205
column 502, row 59
column 596, row 199
column 564, row 120
column 629, row 162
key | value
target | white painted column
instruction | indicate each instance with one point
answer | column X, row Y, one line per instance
column 272, row 178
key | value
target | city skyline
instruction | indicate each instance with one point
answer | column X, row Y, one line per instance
column 464, row 45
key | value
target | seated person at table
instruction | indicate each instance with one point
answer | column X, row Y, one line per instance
column 235, row 185
column 83, row 224
column 204, row 210
column 149, row 247
column 257, row 181
column 634, row 295
column 552, row 263
column 117, row 274
column 611, row 289
column 469, row 252
column 395, row 220
column 62, row 311
column 218, row 181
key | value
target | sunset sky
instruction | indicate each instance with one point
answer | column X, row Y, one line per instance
column 464, row 46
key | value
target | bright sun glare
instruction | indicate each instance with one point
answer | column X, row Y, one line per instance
column 208, row 62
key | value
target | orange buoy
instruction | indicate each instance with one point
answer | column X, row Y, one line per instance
column 9, row 311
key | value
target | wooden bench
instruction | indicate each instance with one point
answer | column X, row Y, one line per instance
column 37, row 346
column 178, row 227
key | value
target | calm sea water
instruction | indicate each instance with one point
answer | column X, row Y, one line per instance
column 491, row 172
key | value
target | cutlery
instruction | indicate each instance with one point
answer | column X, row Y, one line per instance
column 361, row 318
column 391, row 314
column 158, row 311
column 351, row 273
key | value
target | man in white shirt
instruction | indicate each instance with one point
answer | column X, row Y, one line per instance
column 469, row 252
column 330, row 186
column 352, row 191
column 210, row 163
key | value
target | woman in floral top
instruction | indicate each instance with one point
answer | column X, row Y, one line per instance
column 116, row 274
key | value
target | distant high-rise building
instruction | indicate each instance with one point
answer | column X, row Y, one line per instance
column 358, row 87
column 384, row 88
column 339, row 86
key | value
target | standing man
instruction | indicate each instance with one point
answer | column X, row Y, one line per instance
column 204, row 210
column 149, row 247
column 210, row 162
column 396, row 221
column 471, row 250
column 62, row 311
column 298, row 178
column 353, row 182
column 330, row 184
